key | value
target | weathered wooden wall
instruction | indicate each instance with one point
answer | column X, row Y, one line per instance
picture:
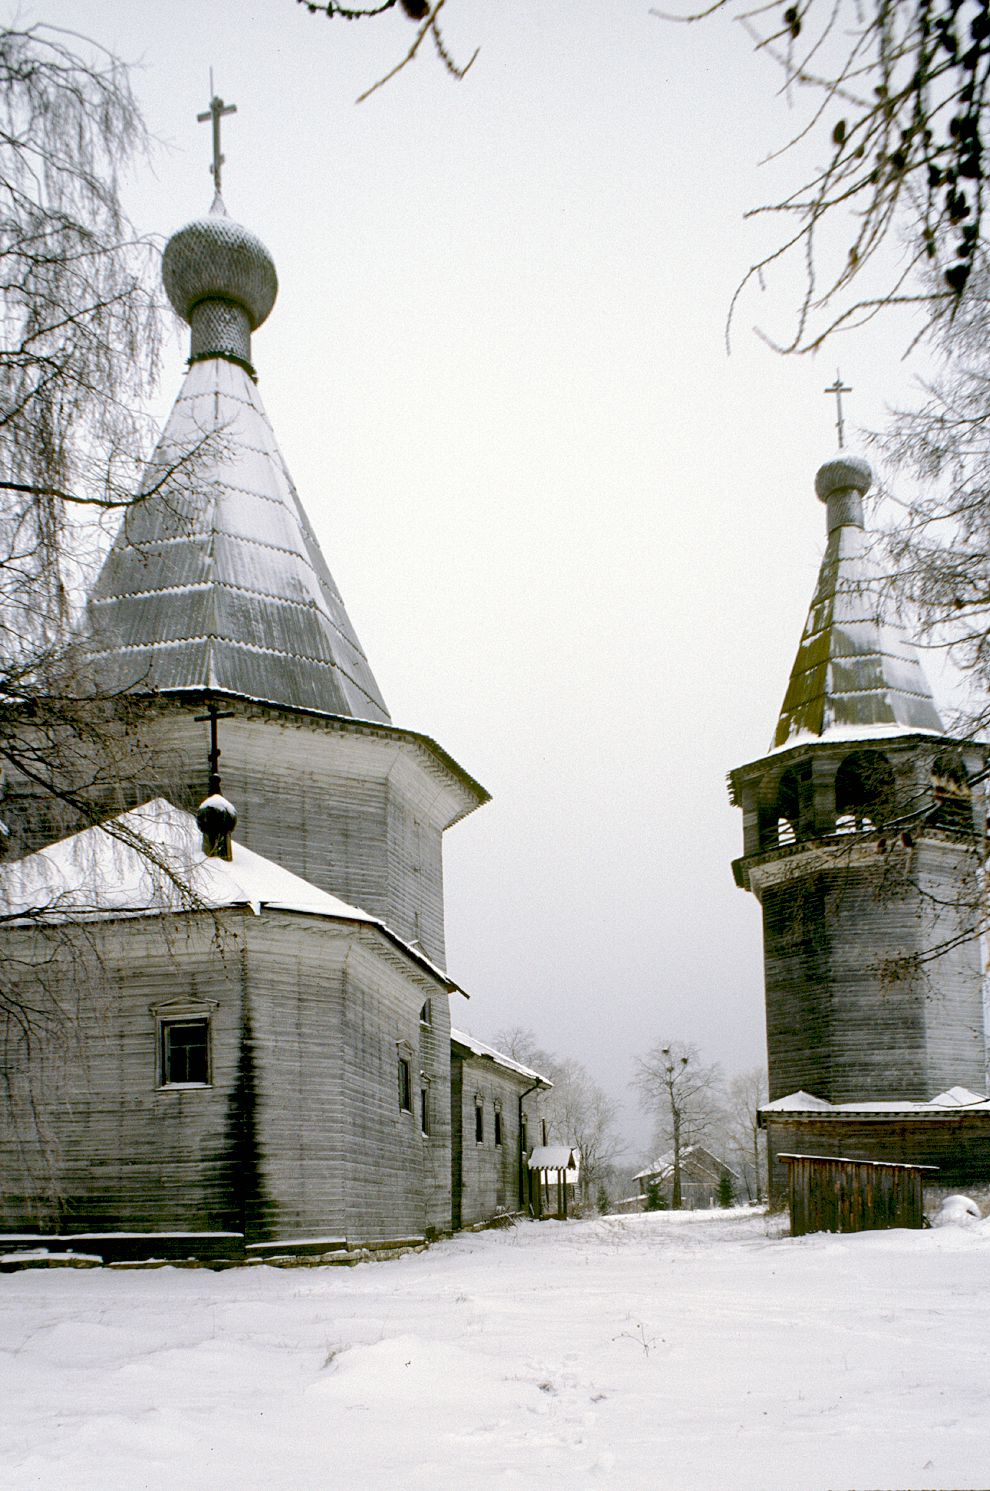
column 299, row 1133
column 844, row 1195
column 85, row 1122
column 959, row 1145
column 488, row 1180
column 853, row 1008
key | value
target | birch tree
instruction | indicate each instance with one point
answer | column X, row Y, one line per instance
column 684, row 1096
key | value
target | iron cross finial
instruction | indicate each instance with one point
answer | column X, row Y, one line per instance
column 839, row 388
column 216, row 111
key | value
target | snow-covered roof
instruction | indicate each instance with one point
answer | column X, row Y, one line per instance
column 951, row 1100
column 150, row 862
column 663, row 1166
column 557, row 1157
column 478, row 1048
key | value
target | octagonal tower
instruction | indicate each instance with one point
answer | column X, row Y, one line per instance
column 861, row 842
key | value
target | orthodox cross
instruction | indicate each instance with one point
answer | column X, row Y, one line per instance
column 213, row 714
column 216, row 111
column 839, row 388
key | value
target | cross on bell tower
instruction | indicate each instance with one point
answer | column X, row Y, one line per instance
column 216, row 112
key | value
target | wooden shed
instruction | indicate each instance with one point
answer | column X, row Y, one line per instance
column 828, row 1193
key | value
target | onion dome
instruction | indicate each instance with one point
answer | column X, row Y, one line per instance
column 841, row 484
column 216, row 819
column 221, row 280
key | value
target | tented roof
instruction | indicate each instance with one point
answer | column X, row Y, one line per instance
column 215, row 581
column 855, row 669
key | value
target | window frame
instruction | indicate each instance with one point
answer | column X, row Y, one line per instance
column 174, row 1021
column 404, row 1073
column 479, row 1120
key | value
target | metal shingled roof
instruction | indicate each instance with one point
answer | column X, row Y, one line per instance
column 216, row 580
column 854, row 667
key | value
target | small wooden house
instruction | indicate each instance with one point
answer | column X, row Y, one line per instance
column 705, row 1179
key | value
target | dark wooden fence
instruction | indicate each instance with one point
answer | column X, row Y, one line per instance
column 828, row 1194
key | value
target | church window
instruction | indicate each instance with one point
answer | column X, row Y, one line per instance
column 479, row 1121
column 953, row 806
column 405, row 1086
column 498, row 1126
column 185, row 1053
column 784, row 817
column 424, row 1109
column 426, row 1014
column 864, row 792
column 788, row 809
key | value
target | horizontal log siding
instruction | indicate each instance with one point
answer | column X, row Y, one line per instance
column 489, row 1173
column 959, row 1146
column 124, row 1154
column 395, row 1181
column 295, row 968
column 842, row 1021
column 359, row 813
column 324, row 1152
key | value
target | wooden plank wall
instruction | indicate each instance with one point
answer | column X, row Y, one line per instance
column 843, row 1195
column 958, row 1145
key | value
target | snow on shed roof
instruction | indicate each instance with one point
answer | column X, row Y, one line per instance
column 150, row 862
column 557, row 1157
column 478, row 1048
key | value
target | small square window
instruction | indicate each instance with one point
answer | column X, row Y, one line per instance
column 424, row 1109
column 405, row 1086
column 185, row 1053
column 479, row 1124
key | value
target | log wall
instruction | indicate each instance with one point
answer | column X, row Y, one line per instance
column 299, row 1133
column 488, row 1181
column 854, row 1010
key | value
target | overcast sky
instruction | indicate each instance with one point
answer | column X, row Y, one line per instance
column 577, row 540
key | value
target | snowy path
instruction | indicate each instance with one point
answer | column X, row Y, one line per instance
column 656, row 1352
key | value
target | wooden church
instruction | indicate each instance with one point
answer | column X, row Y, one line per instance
column 863, row 841
column 248, row 1044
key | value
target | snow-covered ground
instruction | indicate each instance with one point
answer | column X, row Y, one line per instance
column 653, row 1351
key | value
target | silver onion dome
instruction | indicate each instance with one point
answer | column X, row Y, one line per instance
column 221, row 280
column 844, row 473
column 841, row 484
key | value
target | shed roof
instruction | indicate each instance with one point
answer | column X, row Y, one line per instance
column 150, row 862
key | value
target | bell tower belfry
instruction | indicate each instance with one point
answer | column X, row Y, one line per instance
column 860, row 841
